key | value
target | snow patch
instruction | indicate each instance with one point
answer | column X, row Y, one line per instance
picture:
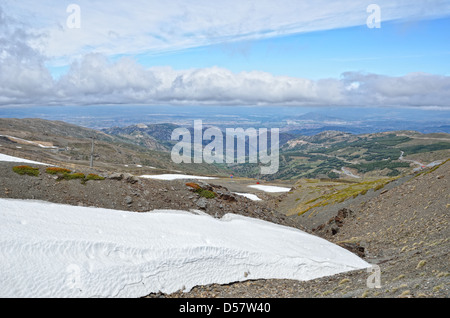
column 29, row 142
column 54, row 250
column 7, row 158
column 267, row 188
column 171, row 177
column 250, row 196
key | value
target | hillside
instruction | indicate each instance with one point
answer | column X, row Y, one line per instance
column 404, row 230
column 71, row 145
column 399, row 222
column 338, row 155
column 152, row 136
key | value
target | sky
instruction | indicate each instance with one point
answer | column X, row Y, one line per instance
column 289, row 53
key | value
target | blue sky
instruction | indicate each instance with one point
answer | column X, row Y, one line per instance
column 395, row 49
column 265, row 52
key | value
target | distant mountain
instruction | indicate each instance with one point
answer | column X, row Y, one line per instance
column 71, row 144
column 316, row 116
column 152, row 136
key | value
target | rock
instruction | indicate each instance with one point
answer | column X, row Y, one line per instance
column 128, row 200
column 226, row 195
column 202, row 203
column 130, row 178
column 115, row 176
column 354, row 248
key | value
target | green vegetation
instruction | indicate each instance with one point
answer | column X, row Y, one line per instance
column 66, row 174
column 426, row 148
column 340, row 195
column 370, row 153
column 93, row 176
column 26, row 170
column 425, row 172
column 202, row 192
column 206, row 193
column 333, row 175
column 72, row 176
column 56, row 170
column 379, row 165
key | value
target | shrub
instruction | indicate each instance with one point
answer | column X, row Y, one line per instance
column 202, row 192
column 55, row 170
column 195, row 186
column 72, row 176
column 206, row 193
column 22, row 170
column 93, row 176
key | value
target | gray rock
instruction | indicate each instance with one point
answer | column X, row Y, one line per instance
column 130, row 178
column 115, row 176
column 202, row 203
column 128, row 200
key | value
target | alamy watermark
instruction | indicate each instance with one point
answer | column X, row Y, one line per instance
column 73, row 278
column 374, row 19
column 74, row 19
column 374, row 279
column 251, row 146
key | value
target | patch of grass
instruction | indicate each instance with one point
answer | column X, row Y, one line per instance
column 194, row 186
column 344, row 281
column 93, row 176
column 66, row 174
column 438, row 288
column 405, row 293
column 399, row 277
column 351, row 191
column 206, row 193
column 26, row 170
column 73, row 176
column 56, row 170
column 425, row 172
column 421, row 264
column 202, row 192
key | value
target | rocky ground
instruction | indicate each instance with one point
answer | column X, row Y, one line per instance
column 404, row 230
column 126, row 192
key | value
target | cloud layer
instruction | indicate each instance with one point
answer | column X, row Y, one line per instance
column 94, row 79
column 139, row 26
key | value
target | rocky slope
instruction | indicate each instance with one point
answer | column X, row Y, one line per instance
column 123, row 191
column 404, row 231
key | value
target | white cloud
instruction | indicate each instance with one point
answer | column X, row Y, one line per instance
column 94, row 79
column 132, row 27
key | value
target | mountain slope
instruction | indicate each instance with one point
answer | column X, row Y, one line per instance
column 405, row 231
column 70, row 144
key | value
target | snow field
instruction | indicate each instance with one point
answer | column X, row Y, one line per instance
column 7, row 158
column 53, row 250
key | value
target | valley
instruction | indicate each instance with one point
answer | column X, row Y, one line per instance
column 380, row 196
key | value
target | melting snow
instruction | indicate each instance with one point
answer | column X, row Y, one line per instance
column 171, row 177
column 53, row 250
column 16, row 159
column 267, row 188
column 249, row 196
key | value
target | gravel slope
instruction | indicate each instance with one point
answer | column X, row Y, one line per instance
column 405, row 231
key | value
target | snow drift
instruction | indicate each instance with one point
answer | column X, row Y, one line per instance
column 7, row 158
column 268, row 188
column 53, row 250
column 171, row 177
